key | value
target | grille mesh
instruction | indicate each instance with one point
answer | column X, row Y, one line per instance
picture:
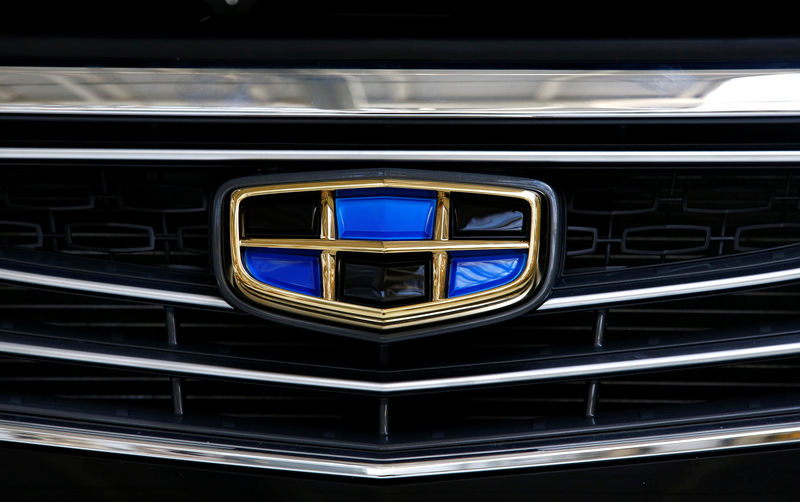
column 158, row 217
column 131, row 216
column 654, row 219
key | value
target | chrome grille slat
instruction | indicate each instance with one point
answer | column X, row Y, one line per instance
column 496, row 93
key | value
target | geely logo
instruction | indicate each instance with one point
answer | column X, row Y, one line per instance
column 380, row 251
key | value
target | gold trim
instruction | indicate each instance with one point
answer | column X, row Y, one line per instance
column 441, row 231
column 327, row 261
column 327, row 258
column 384, row 246
column 439, row 309
column 439, row 275
column 327, row 217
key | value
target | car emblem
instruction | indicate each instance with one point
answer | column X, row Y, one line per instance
column 383, row 251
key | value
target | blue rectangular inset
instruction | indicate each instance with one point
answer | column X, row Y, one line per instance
column 385, row 214
column 290, row 269
column 474, row 271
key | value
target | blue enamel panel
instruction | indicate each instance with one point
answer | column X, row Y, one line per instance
column 293, row 270
column 472, row 271
column 385, row 214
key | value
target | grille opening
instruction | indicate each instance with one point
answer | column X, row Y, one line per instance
column 665, row 240
column 766, row 236
column 27, row 235
column 706, row 196
column 750, row 382
column 747, row 313
column 85, row 385
column 83, row 316
column 616, row 200
column 511, row 408
column 110, row 237
column 163, row 198
column 262, row 408
column 49, row 197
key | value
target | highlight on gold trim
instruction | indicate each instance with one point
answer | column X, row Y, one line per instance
column 438, row 308
column 384, row 246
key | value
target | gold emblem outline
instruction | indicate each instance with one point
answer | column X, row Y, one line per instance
column 438, row 309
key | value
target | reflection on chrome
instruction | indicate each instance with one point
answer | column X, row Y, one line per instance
column 626, row 363
column 181, row 91
column 778, row 92
column 224, row 454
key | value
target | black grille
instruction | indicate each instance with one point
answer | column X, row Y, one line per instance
column 150, row 222
column 629, row 221
column 434, row 419
column 141, row 216
column 528, row 338
column 405, row 420
column 746, row 382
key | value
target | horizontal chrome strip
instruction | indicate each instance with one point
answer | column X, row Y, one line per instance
column 628, row 295
column 627, row 363
column 109, row 288
column 550, row 156
column 555, row 303
column 399, row 92
column 207, row 452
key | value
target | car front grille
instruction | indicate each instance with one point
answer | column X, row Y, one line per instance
column 584, row 403
column 674, row 312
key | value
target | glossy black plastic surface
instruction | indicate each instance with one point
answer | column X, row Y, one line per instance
column 281, row 216
column 384, row 281
column 475, row 217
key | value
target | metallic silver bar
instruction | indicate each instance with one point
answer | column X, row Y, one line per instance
column 552, row 156
column 626, row 295
column 629, row 364
column 109, row 288
column 714, row 440
column 399, row 93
